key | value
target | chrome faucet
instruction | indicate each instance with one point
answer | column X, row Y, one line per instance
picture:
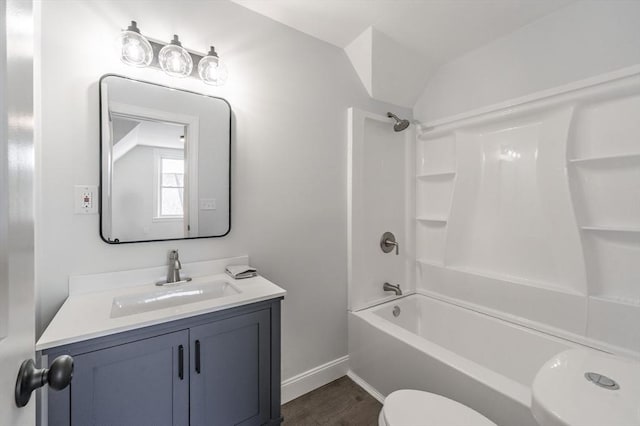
column 391, row 287
column 173, row 275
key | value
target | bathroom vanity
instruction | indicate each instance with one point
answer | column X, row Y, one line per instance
column 151, row 351
column 214, row 360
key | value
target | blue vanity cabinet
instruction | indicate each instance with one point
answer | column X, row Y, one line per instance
column 221, row 368
column 137, row 383
column 230, row 371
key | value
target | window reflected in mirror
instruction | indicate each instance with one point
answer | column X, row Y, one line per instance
column 170, row 203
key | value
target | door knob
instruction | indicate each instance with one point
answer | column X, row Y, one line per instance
column 30, row 378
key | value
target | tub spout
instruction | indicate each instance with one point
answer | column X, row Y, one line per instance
column 394, row 288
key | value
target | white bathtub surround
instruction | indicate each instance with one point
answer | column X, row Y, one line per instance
column 87, row 312
column 482, row 362
column 526, row 227
column 538, row 217
column 572, row 338
column 380, row 198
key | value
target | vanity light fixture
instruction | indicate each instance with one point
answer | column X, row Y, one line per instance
column 175, row 60
column 212, row 70
column 135, row 49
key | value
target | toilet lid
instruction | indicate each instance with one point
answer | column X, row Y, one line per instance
column 418, row 408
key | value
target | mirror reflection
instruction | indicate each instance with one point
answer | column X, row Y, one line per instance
column 165, row 163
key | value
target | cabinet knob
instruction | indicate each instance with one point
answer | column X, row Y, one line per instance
column 30, row 378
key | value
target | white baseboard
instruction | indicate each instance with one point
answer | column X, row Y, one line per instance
column 312, row 379
column 366, row 386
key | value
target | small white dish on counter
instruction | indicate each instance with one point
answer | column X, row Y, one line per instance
column 103, row 304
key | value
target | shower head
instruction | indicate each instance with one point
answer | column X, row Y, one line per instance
column 400, row 124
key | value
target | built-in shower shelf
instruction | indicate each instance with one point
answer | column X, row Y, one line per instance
column 610, row 229
column 432, row 219
column 428, row 262
column 435, row 175
column 633, row 302
column 500, row 277
column 605, row 158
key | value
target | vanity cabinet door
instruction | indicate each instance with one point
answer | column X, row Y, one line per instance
column 145, row 382
column 231, row 371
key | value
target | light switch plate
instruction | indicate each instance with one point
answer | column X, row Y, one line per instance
column 85, row 199
column 207, row 203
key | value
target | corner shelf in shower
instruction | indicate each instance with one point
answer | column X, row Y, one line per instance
column 605, row 158
column 432, row 219
column 507, row 278
column 435, row 175
column 428, row 262
column 609, row 229
column 632, row 302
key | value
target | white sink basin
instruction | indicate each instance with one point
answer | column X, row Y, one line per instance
column 587, row 388
column 169, row 296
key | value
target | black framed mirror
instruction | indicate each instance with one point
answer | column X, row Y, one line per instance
column 165, row 163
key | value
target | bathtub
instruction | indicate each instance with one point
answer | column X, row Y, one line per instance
column 483, row 362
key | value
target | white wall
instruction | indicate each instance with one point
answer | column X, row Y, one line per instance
column 584, row 39
column 289, row 93
column 389, row 70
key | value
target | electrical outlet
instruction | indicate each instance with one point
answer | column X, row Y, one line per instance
column 86, row 199
column 207, row 204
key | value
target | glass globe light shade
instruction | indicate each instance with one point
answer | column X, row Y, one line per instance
column 212, row 70
column 175, row 60
column 135, row 49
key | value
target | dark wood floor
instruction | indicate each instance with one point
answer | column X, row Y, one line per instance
column 341, row 402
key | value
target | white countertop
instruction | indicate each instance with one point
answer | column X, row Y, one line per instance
column 87, row 315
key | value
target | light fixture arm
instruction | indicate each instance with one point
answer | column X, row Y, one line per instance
column 133, row 27
column 176, row 41
column 212, row 52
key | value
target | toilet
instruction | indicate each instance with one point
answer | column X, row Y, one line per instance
column 417, row 408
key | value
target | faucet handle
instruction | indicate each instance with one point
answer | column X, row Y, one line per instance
column 393, row 243
column 175, row 258
column 173, row 273
column 388, row 242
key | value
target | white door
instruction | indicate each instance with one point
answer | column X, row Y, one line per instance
column 17, row 308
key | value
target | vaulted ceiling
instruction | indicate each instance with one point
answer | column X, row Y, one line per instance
column 403, row 41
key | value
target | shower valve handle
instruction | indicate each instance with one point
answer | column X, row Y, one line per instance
column 388, row 242
column 393, row 243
